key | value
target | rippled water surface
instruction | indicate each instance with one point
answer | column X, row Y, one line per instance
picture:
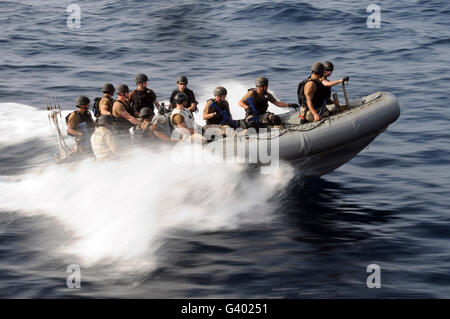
column 149, row 229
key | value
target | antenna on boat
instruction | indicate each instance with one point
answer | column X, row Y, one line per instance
column 54, row 109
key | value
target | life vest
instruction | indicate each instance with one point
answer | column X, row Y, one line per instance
column 187, row 115
column 319, row 96
column 190, row 97
column 121, row 122
column 142, row 99
column 222, row 116
column 259, row 104
column 85, row 123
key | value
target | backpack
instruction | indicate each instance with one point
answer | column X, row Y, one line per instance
column 301, row 92
column 96, row 107
column 68, row 115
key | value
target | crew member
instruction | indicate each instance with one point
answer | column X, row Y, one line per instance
column 328, row 69
column 145, row 130
column 217, row 109
column 143, row 96
column 102, row 139
column 122, row 112
column 106, row 103
column 182, row 83
column 312, row 94
column 180, row 117
column 80, row 125
column 255, row 103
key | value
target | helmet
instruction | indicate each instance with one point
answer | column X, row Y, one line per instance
column 141, row 78
column 180, row 98
column 145, row 111
column 105, row 120
column 262, row 81
column 108, row 88
column 328, row 66
column 317, row 68
column 122, row 88
column 182, row 79
column 220, row 90
column 82, row 100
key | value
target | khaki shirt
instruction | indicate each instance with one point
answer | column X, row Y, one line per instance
column 103, row 143
column 105, row 104
column 118, row 109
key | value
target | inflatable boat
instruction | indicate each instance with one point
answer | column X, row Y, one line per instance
column 315, row 148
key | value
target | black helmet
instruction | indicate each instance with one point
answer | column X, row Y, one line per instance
column 220, row 90
column 122, row 88
column 145, row 111
column 140, row 78
column 180, row 98
column 317, row 68
column 182, row 79
column 105, row 120
column 82, row 100
column 262, row 81
column 328, row 66
column 108, row 88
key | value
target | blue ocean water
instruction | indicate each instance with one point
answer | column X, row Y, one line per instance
column 223, row 233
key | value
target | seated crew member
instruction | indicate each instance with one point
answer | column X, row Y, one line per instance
column 217, row 109
column 328, row 69
column 312, row 94
column 102, row 139
column 182, row 83
column 180, row 117
column 122, row 112
column 80, row 125
column 145, row 129
column 255, row 103
column 106, row 103
column 142, row 96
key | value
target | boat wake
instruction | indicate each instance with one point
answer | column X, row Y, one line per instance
column 120, row 212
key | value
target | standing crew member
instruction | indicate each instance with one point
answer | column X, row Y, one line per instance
column 80, row 125
column 182, row 83
column 102, row 139
column 142, row 96
column 312, row 94
column 122, row 112
column 328, row 69
column 255, row 103
column 217, row 109
column 106, row 103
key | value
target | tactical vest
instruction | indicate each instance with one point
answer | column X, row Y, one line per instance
column 142, row 99
column 261, row 103
column 110, row 102
column 85, row 122
column 218, row 118
column 188, row 118
column 319, row 96
column 120, row 122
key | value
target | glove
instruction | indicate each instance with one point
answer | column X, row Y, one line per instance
column 345, row 79
column 294, row 105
